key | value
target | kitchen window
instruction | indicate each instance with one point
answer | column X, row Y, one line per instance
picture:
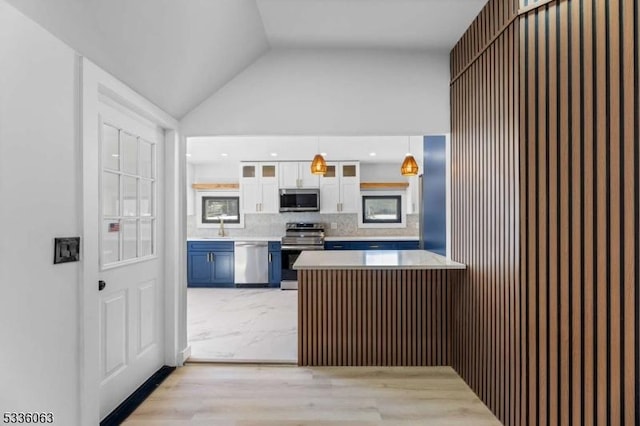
column 381, row 209
column 215, row 209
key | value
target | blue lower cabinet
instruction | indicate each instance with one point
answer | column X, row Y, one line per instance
column 371, row 245
column 337, row 245
column 275, row 264
column 199, row 269
column 407, row 245
column 210, row 264
column 222, row 269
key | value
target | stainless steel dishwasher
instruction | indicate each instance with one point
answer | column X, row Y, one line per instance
column 251, row 263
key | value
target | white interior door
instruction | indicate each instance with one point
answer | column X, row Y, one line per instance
column 129, row 226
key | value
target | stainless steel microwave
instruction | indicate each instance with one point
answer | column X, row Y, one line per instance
column 300, row 200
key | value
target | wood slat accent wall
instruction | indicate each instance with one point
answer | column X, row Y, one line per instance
column 485, row 310
column 563, row 317
column 373, row 317
column 579, row 157
column 491, row 20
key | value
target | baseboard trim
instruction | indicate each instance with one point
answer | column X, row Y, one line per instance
column 129, row 405
column 218, row 361
column 185, row 355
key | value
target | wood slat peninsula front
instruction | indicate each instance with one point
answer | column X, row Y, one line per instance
column 368, row 308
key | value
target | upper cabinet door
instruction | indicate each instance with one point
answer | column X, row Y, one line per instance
column 297, row 174
column 340, row 188
column 306, row 178
column 249, row 172
column 259, row 187
column 330, row 189
column 288, row 174
column 349, row 186
column 269, row 172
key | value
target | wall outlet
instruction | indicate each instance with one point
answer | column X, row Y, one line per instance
column 334, row 225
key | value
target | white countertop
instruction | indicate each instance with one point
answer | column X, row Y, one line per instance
column 279, row 237
column 235, row 238
column 386, row 238
column 374, row 259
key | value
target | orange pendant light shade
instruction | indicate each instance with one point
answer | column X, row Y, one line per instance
column 318, row 165
column 409, row 166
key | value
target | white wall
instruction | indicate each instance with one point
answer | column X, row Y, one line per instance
column 39, row 169
column 217, row 172
column 381, row 172
column 330, row 92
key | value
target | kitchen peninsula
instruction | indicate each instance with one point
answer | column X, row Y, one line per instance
column 385, row 307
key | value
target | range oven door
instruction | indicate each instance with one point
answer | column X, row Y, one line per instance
column 289, row 256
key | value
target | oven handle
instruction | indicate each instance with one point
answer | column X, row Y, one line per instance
column 288, row 247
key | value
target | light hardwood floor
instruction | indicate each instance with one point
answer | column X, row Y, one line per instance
column 243, row 395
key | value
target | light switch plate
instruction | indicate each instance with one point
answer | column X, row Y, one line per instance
column 66, row 250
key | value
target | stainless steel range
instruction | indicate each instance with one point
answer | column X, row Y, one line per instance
column 298, row 237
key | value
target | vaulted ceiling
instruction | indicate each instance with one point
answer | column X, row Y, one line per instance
column 177, row 53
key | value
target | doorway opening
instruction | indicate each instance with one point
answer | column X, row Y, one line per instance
column 253, row 204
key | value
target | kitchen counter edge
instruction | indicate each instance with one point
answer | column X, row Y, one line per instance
column 375, row 259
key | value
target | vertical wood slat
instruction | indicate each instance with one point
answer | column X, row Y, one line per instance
column 482, row 136
column 373, row 317
column 551, row 291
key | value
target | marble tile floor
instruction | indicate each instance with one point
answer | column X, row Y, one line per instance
column 243, row 395
column 242, row 325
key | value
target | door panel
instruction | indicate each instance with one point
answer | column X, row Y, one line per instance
column 251, row 196
column 199, row 268
column 349, row 187
column 270, row 198
column 350, row 197
column 307, row 179
column 288, row 172
column 114, row 341
column 223, row 268
column 130, row 236
column 146, row 315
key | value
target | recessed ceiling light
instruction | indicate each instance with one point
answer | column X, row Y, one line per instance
column 274, row 154
column 188, row 155
column 115, row 155
column 373, row 154
column 224, row 154
column 324, row 154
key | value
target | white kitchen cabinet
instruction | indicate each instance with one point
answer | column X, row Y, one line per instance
column 297, row 174
column 413, row 195
column 340, row 187
column 259, row 187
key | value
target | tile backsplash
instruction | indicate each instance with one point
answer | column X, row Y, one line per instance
column 272, row 225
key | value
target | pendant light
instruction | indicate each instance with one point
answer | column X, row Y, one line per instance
column 409, row 166
column 318, row 165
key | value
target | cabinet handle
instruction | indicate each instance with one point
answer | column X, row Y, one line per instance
column 213, row 257
column 270, row 258
column 374, row 246
column 208, row 257
column 338, row 246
